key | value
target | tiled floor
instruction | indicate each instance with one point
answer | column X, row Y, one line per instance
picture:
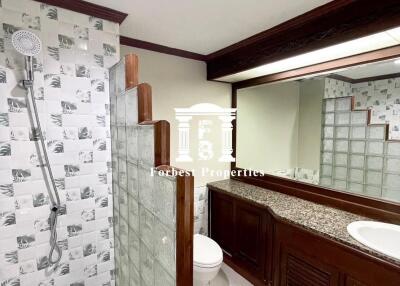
column 228, row 277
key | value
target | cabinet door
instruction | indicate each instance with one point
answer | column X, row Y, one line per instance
column 250, row 242
column 350, row 281
column 299, row 270
column 221, row 221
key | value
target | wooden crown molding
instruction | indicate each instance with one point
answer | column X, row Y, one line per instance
column 332, row 23
column 88, row 9
column 135, row 43
column 363, row 79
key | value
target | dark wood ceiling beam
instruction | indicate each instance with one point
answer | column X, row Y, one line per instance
column 333, row 23
column 88, row 9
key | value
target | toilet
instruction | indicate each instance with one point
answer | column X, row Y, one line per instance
column 207, row 259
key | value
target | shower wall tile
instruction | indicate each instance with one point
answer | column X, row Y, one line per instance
column 342, row 118
column 374, row 163
column 201, row 210
column 146, row 145
column 341, row 159
column 359, row 118
column 72, row 92
column 342, row 132
column 165, row 204
column 164, row 247
column 329, row 118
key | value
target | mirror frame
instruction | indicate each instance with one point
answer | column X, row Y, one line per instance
column 355, row 203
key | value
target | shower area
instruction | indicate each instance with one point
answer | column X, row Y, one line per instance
column 87, row 196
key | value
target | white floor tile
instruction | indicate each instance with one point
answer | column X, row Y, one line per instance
column 228, row 277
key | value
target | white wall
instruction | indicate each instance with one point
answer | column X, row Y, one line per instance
column 177, row 83
column 267, row 126
column 279, row 126
column 311, row 94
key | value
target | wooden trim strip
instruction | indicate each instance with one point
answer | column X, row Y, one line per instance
column 161, row 143
column 135, row 43
column 340, row 77
column 373, row 78
column 363, row 79
column 88, row 9
column 144, row 102
column 184, row 230
column 374, row 56
column 131, row 71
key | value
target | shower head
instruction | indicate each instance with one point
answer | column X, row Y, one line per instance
column 26, row 43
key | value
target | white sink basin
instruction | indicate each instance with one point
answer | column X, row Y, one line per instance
column 382, row 237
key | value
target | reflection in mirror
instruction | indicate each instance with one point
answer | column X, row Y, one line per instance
column 340, row 130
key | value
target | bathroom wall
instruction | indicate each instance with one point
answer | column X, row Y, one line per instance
column 144, row 201
column 355, row 153
column 72, row 94
column 260, row 118
column 310, row 106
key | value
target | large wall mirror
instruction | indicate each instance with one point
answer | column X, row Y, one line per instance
column 339, row 130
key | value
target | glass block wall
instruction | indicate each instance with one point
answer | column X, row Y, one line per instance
column 144, row 201
column 355, row 155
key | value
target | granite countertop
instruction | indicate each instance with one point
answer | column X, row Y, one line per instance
column 321, row 219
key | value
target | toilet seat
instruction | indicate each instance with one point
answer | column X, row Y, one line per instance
column 206, row 252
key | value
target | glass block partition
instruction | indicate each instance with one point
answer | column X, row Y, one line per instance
column 355, row 155
column 146, row 208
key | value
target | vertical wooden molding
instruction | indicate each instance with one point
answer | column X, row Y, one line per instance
column 131, row 71
column 184, row 230
column 144, row 102
column 161, row 143
column 234, row 141
column 387, row 131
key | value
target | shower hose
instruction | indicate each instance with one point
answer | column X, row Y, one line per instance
column 55, row 200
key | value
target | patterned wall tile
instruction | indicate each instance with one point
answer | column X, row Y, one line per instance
column 72, row 93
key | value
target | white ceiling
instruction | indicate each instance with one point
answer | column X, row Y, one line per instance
column 370, row 70
column 203, row 26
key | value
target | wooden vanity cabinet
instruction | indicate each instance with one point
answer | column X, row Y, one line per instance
column 304, row 258
column 222, row 213
column 250, row 237
column 269, row 251
column 243, row 230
